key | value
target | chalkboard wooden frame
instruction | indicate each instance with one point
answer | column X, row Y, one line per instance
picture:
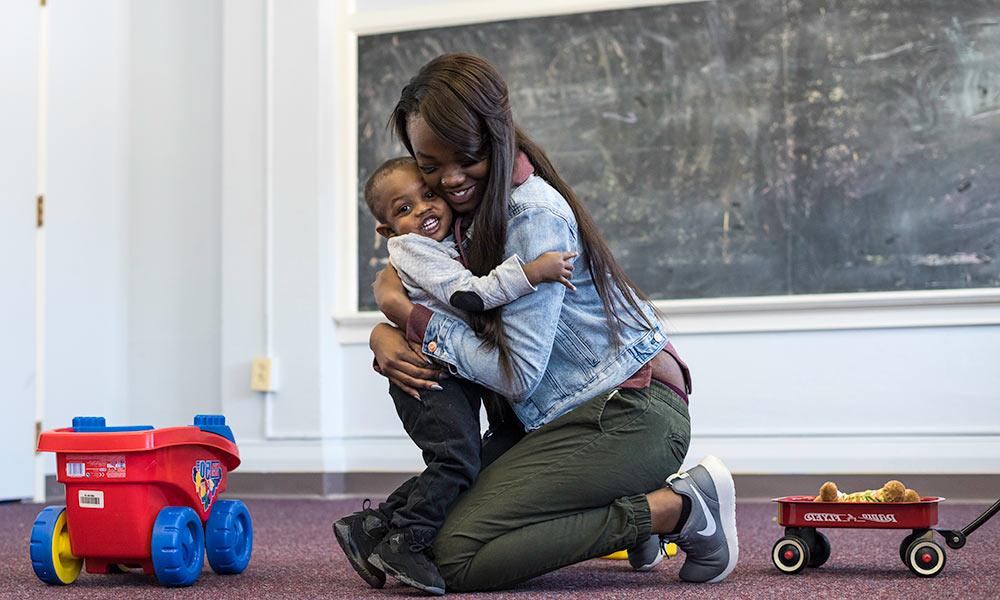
column 862, row 310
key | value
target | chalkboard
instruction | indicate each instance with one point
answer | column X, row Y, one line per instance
column 748, row 147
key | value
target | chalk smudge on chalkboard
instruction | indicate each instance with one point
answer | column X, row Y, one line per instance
column 886, row 54
column 983, row 115
column 962, row 258
column 629, row 117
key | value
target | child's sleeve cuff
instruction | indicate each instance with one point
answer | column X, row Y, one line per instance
column 416, row 324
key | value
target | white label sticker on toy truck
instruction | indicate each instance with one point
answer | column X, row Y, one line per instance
column 96, row 466
column 91, row 499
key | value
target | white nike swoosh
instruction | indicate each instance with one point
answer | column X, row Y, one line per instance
column 710, row 526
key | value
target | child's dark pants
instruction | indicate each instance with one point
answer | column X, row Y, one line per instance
column 445, row 426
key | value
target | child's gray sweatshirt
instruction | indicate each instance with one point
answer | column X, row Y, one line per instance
column 434, row 277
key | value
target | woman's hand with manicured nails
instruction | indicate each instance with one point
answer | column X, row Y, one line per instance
column 402, row 362
column 390, row 295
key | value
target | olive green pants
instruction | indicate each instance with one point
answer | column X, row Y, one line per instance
column 569, row 491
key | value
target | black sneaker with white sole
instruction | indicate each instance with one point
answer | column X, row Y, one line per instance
column 399, row 556
column 708, row 537
column 358, row 534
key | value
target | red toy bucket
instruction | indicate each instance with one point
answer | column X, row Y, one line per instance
column 118, row 479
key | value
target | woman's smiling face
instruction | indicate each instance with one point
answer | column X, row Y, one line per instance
column 448, row 172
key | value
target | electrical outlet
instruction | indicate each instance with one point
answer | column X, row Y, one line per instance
column 264, row 374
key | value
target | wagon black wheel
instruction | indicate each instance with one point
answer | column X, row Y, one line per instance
column 905, row 545
column 819, row 550
column 790, row 554
column 909, row 539
column 925, row 557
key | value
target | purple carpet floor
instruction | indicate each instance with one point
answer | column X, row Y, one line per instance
column 295, row 556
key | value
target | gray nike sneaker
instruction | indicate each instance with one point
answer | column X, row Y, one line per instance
column 646, row 555
column 708, row 537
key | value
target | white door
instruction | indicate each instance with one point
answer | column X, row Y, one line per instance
column 19, row 32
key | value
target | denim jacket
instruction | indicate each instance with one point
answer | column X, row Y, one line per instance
column 559, row 345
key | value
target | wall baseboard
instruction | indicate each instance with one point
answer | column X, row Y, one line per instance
column 314, row 484
column 963, row 487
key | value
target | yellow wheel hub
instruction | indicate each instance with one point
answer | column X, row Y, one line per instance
column 67, row 565
column 623, row 554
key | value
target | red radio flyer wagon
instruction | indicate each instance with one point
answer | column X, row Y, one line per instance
column 804, row 546
column 138, row 497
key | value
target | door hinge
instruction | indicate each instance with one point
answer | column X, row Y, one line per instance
column 40, row 212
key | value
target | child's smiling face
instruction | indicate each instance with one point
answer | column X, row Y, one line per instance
column 409, row 206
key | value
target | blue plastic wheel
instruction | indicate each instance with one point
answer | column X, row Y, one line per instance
column 229, row 537
column 51, row 557
column 178, row 546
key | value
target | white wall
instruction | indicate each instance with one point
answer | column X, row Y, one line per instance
column 242, row 298
column 880, row 400
column 133, row 212
column 87, row 212
column 289, row 320
column 276, row 296
column 173, row 224
column 19, row 184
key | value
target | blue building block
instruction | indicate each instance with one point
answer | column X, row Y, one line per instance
column 215, row 424
column 97, row 425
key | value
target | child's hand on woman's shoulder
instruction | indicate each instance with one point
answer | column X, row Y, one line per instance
column 556, row 267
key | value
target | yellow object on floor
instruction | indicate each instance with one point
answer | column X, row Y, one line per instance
column 623, row 554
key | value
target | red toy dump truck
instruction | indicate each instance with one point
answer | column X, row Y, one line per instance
column 138, row 497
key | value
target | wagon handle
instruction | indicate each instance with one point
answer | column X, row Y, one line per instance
column 956, row 539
